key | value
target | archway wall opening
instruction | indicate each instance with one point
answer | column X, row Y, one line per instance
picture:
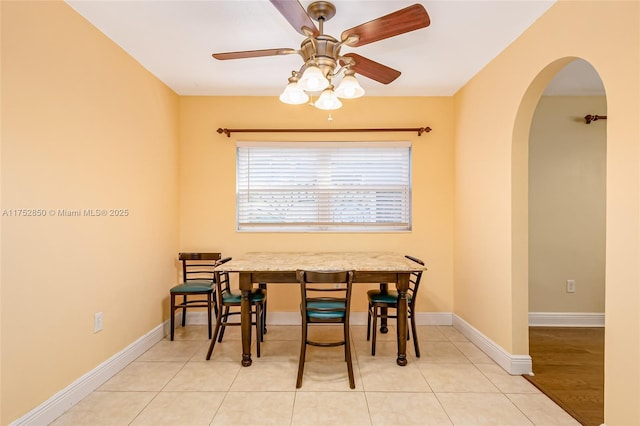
column 567, row 203
column 493, row 117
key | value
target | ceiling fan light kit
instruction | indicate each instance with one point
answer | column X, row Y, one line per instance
column 328, row 100
column 293, row 94
column 320, row 52
column 313, row 79
column 349, row 88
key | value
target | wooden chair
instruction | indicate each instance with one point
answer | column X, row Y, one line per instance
column 380, row 301
column 323, row 303
column 228, row 300
column 196, row 288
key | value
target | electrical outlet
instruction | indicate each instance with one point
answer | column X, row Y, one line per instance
column 571, row 286
column 97, row 322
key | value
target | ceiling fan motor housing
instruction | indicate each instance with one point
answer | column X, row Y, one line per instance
column 321, row 51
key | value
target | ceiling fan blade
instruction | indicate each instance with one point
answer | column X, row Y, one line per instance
column 253, row 53
column 399, row 22
column 293, row 12
column 372, row 69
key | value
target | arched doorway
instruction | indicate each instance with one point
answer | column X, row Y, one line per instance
column 560, row 165
column 567, row 199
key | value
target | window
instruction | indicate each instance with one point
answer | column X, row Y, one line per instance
column 323, row 186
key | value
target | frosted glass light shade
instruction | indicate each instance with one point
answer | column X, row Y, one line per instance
column 293, row 94
column 349, row 88
column 313, row 80
column 328, row 100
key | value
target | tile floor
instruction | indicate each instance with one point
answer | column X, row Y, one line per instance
column 452, row 383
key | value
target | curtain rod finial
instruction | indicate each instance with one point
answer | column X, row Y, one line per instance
column 589, row 118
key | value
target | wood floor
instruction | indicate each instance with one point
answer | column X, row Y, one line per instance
column 568, row 366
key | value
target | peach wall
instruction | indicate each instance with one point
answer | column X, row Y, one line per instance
column 492, row 116
column 84, row 126
column 207, row 183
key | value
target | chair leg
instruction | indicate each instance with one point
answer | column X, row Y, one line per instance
column 225, row 318
column 347, row 353
column 415, row 335
column 184, row 310
column 209, row 302
column 264, row 320
column 303, row 354
column 215, row 334
column 369, row 322
column 263, row 327
column 264, row 310
column 173, row 314
column 214, row 299
column 259, row 328
column 374, row 330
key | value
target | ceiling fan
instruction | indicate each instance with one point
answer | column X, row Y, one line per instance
column 321, row 52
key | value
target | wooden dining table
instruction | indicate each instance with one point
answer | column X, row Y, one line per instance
column 280, row 267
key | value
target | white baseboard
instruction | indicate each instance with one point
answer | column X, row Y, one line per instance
column 434, row 318
column 55, row 406
column 512, row 364
column 566, row 319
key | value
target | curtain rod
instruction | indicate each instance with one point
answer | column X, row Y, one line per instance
column 589, row 118
column 420, row 130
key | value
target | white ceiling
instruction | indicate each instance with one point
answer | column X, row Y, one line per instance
column 174, row 40
column 576, row 78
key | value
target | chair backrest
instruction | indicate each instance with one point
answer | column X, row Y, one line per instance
column 222, row 280
column 198, row 266
column 414, row 280
column 322, row 299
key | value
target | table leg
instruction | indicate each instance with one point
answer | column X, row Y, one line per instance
column 402, row 287
column 246, row 286
column 384, row 287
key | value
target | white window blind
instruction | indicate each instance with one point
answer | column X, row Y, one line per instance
column 323, row 186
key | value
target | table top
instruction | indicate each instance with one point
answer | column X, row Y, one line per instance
column 321, row 261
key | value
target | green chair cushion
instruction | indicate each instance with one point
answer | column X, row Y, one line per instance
column 325, row 305
column 193, row 287
column 391, row 297
column 257, row 295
